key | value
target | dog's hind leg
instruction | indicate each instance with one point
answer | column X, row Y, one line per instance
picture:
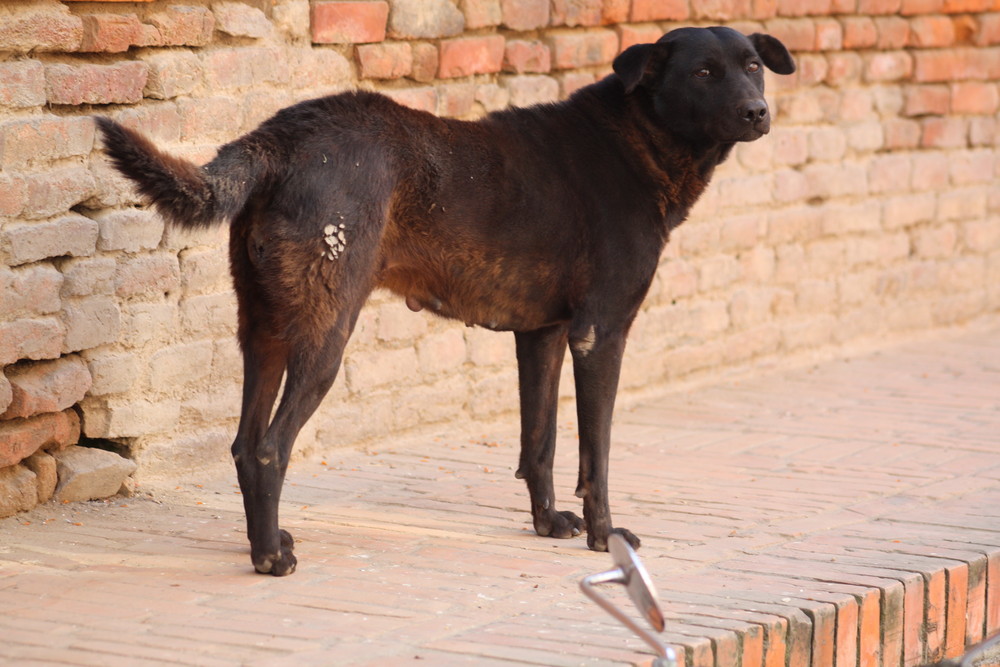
column 597, row 360
column 539, row 359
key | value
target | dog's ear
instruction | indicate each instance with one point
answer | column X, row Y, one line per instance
column 634, row 63
column 773, row 53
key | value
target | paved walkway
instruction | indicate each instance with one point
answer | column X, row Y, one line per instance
column 846, row 513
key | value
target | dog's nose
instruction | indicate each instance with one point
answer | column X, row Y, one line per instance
column 754, row 111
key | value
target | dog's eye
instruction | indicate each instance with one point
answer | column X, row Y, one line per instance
column 703, row 73
column 753, row 67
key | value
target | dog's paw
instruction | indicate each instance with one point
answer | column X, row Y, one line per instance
column 558, row 524
column 281, row 564
column 598, row 543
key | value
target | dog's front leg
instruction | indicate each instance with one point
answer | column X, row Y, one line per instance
column 597, row 360
column 539, row 359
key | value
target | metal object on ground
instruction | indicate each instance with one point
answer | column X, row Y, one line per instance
column 630, row 573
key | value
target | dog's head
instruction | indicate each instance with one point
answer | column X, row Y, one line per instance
column 706, row 83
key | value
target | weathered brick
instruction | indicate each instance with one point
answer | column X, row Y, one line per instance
column 615, row 11
column 319, row 68
column 988, row 30
column 572, row 50
column 209, row 314
column 456, row 100
column 911, row 7
column 22, row 84
column 893, row 32
column 525, row 14
column 577, row 12
column 111, row 372
column 934, row 242
column 367, row 370
column 927, row 99
column 947, row 132
column 147, row 275
column 89, row 275
column 90, row 321
column 227, row 69
column 901, row 134
column 110, row 33
column 6, row 393
column 937, row 65
column 796, row 34
column 931, row 32
column 974, row 97
column 204, row 270
column 18, row 490
column 115, row 417
column 349, row 22
column 425, row 19
column 721, row 10
column 523, row 56
column 879, row 6
column 441, row 352
column 425, row 62
column 240, row 20
column 40, row 338
column 20, row 438
column 888, row 66
column 46, row 386
column 121, row 83
column 463, row 56
column 422, row 99
column 209, row 119
column 73, row 235
column 528, row 89
column 388, row 60
column 660, row 10
column 46, row 477
column 178, row 366
column 492, row 96
column 29, row 291
column 630, row 35
column 43, row 139
column 41, row 30
column 181, row 25
column 481, row 13
column 804, row 8
column 570, row 82
column 859, row 32
column 171, row 74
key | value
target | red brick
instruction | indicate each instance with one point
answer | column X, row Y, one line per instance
column 147, row 275
column 121, row 83
column 931, row 66
column 932, row 32
column 526, row 89
column 570, row 82
column 577, row 12
column 170, row 74
column 888, row 66
column 630, row 35
column 349, row 22
column 110, row 33
column 180, row 25
column 20, row 438
column 422, row 99
column 525, row 14
column 13, row 195
column 615, row 11
column 385, row 61
column 796, row 34
column 41, row 139
column 455, row 99
column 973, row 97
column 988, row 30
column 878, row 6
column 843, row 68
column 944, row 133
column 573, row 50
column 56, row 191
column 967, row 6
column 924, row 100
column 46, row 386
column 913, row 7
column 859, row 32
column 22, row 83
column 803, row 7
column 526, row 56
column 660, row 10
column 30, row 339
column 209, row 119
column 463, row 56
column 829, row 35
column 41, row 30
column 893, row 32
column 720, row 10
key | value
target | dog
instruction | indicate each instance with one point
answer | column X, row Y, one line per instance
column 546, row 221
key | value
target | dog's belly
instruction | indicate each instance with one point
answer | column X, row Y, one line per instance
column 508, row 303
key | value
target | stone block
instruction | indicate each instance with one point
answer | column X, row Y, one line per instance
column 89, row 474
column 46, row 475
column 46, row 386
column 18, row 492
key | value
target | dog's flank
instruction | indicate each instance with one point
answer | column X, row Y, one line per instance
column 547, row 221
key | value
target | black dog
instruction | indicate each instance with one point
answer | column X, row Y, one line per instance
column 547, row 221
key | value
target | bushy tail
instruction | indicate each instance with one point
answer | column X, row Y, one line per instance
column 184, row 193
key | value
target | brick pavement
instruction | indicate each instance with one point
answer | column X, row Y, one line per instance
column 844, row 513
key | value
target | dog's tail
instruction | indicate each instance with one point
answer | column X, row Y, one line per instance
column 184, row 193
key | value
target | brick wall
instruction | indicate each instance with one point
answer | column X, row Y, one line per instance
column 872, row 209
